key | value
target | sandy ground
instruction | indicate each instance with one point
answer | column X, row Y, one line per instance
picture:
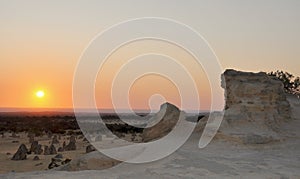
column 219, row 159
column 222, row 158
column 8, row 148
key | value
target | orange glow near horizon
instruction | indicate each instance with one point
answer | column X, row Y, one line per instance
column 143, row 88
column 59, row 84
column 39, row 49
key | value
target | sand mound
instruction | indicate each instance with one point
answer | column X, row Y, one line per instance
column 91, row 161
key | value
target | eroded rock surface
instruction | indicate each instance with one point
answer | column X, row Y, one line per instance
column 36, row 158
column 57, row 162
column 256, row 105
column 71, row 145
column 36, row 148
column 21, row 154
column 46, row 150
column 90, row 148
column 52, row 150
column 167, row 117
column 55, row 140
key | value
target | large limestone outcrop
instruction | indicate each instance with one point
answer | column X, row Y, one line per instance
column 167, row 117
column 295, row 106
column 256, row 105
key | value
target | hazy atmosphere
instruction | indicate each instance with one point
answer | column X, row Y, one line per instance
column 150, row 89
column 42, row 41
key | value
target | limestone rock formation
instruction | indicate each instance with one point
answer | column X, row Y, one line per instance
column 167, row 117
column 71, row 145
column 55, row 140
column 295, row 106
column 30, row 138
column 36, row 148
column 201, row 123
column 73, row 139
column 49, row 134
column 34, row 145
column 52, row 150
column 14, row 135
column 46, row 150
column 58, row 156
column 36, row 158
column 90, row 148
column 21, row 154
column 256, row 105
column 57, row 162
column 60, row 149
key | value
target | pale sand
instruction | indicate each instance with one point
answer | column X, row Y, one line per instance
column 222, row 158
column 219, row 159
column 7, row 146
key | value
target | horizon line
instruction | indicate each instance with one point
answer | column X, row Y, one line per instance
column 69, row 109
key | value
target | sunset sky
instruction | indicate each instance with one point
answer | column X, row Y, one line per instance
column 41, row 43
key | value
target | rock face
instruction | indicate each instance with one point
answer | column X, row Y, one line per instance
column 167, row 117
column 256, row 104
column 21, row 154
column 295, row 106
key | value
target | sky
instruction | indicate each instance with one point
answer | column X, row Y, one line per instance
column 42, row 41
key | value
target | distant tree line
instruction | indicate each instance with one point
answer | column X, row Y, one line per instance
column 290, row 82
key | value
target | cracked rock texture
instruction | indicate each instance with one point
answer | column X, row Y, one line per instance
column 256, row 105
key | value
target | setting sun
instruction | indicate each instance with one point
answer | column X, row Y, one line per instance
column 40, row 94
